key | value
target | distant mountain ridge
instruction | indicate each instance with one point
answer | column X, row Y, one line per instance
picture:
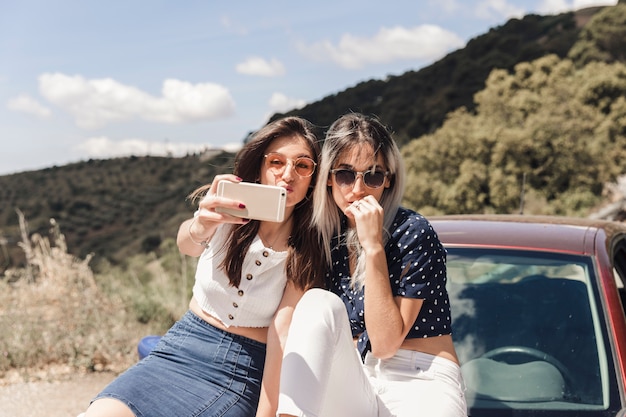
column 119, row 207
column 416, row 102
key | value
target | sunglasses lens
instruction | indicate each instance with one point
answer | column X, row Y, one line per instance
column 275, row 162
column 304, row 167
column 345, row 177
column 373, row 179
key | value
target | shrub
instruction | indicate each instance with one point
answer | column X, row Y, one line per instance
column 56, row 311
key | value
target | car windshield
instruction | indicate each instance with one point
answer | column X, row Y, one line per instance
column 527, row 330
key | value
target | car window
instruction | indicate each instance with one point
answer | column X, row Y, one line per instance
column 528, row 331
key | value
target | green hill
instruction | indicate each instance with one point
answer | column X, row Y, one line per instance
column 112, row 208
column 416, row 103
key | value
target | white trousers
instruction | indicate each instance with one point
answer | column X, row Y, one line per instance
column 323, row 376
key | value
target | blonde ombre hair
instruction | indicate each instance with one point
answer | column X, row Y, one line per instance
column 350, row 131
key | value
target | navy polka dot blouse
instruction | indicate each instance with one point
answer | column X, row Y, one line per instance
column 417, row 269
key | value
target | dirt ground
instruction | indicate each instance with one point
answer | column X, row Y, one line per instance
column 65, row 397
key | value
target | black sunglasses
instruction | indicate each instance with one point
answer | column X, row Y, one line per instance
column 347, row 177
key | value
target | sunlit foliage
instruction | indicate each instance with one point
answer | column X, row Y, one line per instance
column 561, row 128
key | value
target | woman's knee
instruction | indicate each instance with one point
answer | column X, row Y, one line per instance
column 320, row 307
column 108, row 407
column 318, row 300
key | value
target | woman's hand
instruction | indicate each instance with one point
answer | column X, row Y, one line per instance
column 368, row 216
column 206, row 208
column 194, row 234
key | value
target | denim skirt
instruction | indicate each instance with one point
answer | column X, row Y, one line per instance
column 195, row 370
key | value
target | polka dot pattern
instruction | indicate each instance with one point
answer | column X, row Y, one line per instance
column 416, row 261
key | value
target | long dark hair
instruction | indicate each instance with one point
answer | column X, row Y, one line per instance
column 304, row 266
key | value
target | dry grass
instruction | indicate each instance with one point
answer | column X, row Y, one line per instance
column 56, row 315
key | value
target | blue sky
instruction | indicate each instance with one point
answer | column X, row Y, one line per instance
column 84, row 79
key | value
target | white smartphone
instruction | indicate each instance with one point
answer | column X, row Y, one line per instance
column 263, row 202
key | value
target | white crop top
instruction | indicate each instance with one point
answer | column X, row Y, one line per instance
column 262, row 284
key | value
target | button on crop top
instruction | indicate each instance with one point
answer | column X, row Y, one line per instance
column 262, row 284
column 416, row 260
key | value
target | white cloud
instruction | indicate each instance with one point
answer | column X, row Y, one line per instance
column 552, row 6
column 26, row 104
column 448, row 6
column 426, row 42
column 560, row 6
column 498, row 9
column 259, row 66
column 280, row 103
column 578, row 4
column 97, row 102
column 104, row 147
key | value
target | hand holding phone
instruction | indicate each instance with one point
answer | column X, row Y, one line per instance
column 263, row 202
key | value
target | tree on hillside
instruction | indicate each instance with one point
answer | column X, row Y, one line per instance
column 416, row 102
column 562, row 128
column 603, row 38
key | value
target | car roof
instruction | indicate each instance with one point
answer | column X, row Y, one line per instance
column 554, row 233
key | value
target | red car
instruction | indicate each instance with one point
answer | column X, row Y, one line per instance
column 538, row 313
